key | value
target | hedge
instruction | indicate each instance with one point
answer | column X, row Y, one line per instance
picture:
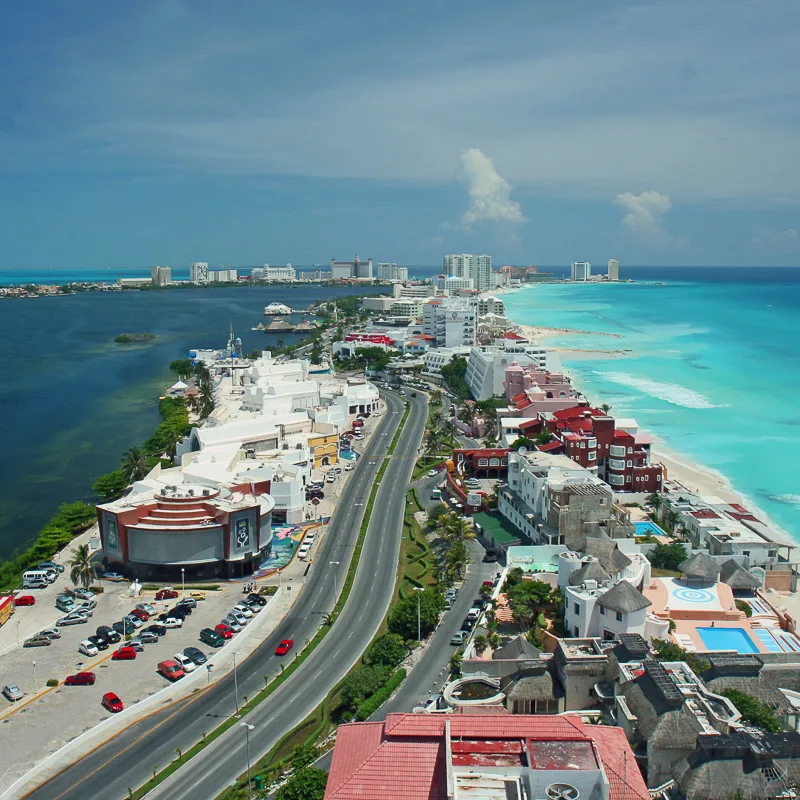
column 366, row 709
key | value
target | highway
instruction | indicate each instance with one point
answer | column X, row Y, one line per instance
column 128, row 759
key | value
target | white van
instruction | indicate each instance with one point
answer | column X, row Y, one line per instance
column 39, row 575
column 87, row 648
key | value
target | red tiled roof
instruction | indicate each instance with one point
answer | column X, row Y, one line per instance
column 550, row 446
column 705, row 513
column 623, row 773
column 517, row 397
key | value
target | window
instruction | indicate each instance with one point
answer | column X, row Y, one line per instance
column 630, row 463
column 592, row 456
column 602, row 611
column 577, row 608
column 746, row 553
column 483, row 462
column 583, row 445
column 772, row 554
column 628, row 479
column 619, row 616
column 575, row 632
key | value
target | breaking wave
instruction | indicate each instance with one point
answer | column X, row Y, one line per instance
column 670, row 392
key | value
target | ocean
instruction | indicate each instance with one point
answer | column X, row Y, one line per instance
column 713, row 368
column 72, row 401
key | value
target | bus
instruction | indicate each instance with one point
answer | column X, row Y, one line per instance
column 436, row 494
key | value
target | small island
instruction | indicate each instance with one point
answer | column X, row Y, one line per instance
column 135, row 338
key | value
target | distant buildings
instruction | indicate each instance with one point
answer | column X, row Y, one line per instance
column 344, row 270
column 198, row 272
column 452, row 284
column 161, row 276
column 223, row 276
column 391, row 272
column 487, row 365
column 581, row 271
column 268, row 273
column 452, row 322
column 467, row 265
column 613, row 269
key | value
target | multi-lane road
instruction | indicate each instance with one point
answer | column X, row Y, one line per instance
column 127, row 760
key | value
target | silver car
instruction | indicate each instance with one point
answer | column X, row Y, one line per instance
column 12, row 692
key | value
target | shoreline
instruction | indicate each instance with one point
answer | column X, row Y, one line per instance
column 681, row 468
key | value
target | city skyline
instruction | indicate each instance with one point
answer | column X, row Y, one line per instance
column 664, row 134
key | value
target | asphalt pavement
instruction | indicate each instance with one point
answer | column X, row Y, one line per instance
column 128, row 760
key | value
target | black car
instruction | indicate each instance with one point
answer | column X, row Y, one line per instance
column 196, row 655
column 179, row 612
column 100, row 642
column 123, row 628
column 488, row 558
column 467, row 625
column 109, row 634
column 158, row 630
column 256, row 598
column 189, row 602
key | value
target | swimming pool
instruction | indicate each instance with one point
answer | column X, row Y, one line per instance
column 727, row 639
column 648, row 528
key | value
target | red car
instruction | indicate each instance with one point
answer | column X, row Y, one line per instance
column 284, row 647
column 125, row 653
column 81, row 679
column 166, row 594
column 25, row 600
column 139, row 614
column 112, row 702
column 224, row 631
column 171, row 670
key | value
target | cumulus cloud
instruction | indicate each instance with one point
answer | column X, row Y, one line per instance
column 777, row 240
column 489, row 194
column 645, row 215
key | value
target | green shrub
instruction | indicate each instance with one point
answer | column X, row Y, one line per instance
column 369, row 706
column 745, row 607
column 51, row 682
column 753, row 710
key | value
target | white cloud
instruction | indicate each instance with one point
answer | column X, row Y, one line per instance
column 489, row 194
column 645, row 217
column 777, row 240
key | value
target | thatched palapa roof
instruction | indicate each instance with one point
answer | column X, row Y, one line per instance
column 700, row 566
column 605, row 550
column 737, row 577
column 623, row 598
column 589, row 572
column 515, row 650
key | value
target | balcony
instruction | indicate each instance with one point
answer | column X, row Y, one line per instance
column 616, row 480
column 616, row 463
column 616, row 450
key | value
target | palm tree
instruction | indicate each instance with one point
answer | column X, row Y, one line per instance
column 455, row 529
column 606, row 408
column 655, row 502
column 134, row 464
column 433, row 442
column 82, row 570
column 436, row 398
column 206, row 398
column 457, row 558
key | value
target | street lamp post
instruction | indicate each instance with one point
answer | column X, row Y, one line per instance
column 335, row 590
column 247, row 729
column 35, row 680
column 235, row 684
column 419, row 613
column 183, row 582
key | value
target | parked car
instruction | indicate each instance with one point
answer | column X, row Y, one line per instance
column 458, row 638
column 186, row 663
column 243, row 609
column 50, row 565
column 197, row 655
column 83, row 594
column 180, row 611
column 147, row 608
column 113, row 576
column 166, row 594
column 467, row 625
column 72, row 619
column 254, row 607
column 87, row 648
column 148, row 637
column 139, row 614
column 109, row 634
column 330, row 477
column 133, row 620
column 37, row 584
column 122, row 628
column 223, row 630
column 211, row 638
column 125, row 653
column 50, row 633
column 66, row 604
column 136, row 643
column 284, row 647
column 12, row 692
column 158, row 630
column 232, row 624
column 171, row 670
column 199, row 596
column 349, row 466
column 25, row 600
column 81, row 679
column 111, row 702
column 100, row 642
column 432, row 473
column 238, row 616
column 257, row 598
column 188, row 602
column 172, row 622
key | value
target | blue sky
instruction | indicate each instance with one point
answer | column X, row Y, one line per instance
column 540, row 132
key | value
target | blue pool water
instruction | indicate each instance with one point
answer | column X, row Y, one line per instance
column 727, row 639
column 648, row 528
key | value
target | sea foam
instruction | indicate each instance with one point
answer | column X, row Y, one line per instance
column 670, row 392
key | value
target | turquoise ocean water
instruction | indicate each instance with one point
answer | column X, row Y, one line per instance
column 713, row 368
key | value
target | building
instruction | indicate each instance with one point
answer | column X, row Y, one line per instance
column 467, row 265
column 486, row 367
column 453, row 284
column 162, row 530
column 414, row 290
column 491, row 756
column 391, row 272
column 531, row 390
column 451, row 322
column 268, row 273
column 581, row 271
column 161, row 276
column 198, row 272
column 613, row 269
column 436, row 358
column 381, row 304
column 344, row 270
column 223, row 276
column 133, row 283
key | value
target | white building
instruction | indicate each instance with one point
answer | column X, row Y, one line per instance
column 161, row 276
column 223, row 275
column 407, row 308
column 452, row 322
column 268, row 273
column 377, row 303
column 467, row 265
column 453, row 283
column 613, row 269
column 342, row 270
column 413, row 290
column 436, row 358
column 198, row 272
column 391, row 272
column 486, row 367
column 581, row 270
column 488, row 305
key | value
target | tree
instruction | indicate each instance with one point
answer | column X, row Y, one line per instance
column 753, row 710
column 480, row 642
column 667, row 556
column 82, row 571
column 389, row 650
column 362, row 682
column 522, row 441
column 306, row 784
column 606, row 408
column 453, row 374
column 134, row 464
column 181, row 367
column 544, row 437
column 304, row 755
column 206, row 398
column 668, row 651
column 403, row 616
column 316, row 352
column 433, row 442
column 111, row 485
column 457, row 559
column 528, row 598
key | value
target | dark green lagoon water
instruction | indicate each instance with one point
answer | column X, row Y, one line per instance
column 71, row 401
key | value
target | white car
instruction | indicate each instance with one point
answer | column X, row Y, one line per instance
column 432, row 473
column 248, row 612
column 186, row 663
column 87, row 648
column 349, row 466
column 376, row 413
column 172, row 622
column 330, row 477
column 147, row 608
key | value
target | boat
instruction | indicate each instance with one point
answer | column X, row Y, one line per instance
column 276, row 309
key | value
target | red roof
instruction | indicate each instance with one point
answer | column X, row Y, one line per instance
column 523, row 426
column 705, row 513
column 403, row 758
column 550, row 446
column 512, row 335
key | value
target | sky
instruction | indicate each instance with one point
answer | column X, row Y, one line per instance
column 245, row 133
